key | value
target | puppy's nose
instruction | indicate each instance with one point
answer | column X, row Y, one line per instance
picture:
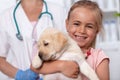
column 40, row 55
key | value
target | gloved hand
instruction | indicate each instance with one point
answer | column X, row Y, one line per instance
column 41, row 78
column 26, row 75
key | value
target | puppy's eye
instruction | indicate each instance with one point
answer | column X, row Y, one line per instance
column 46, row 43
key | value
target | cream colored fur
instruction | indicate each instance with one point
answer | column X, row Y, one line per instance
column 53, row 45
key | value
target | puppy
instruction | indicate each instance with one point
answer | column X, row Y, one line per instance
column 56, row 45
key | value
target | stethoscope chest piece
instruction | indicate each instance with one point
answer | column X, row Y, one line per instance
column 19, row 36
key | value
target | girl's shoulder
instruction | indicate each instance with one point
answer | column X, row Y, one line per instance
column 98, row 53
column 96, row 57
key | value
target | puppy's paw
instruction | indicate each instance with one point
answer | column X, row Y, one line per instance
column 36, row 62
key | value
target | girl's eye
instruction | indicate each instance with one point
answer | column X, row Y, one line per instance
column 90, row 26
column 77, row 24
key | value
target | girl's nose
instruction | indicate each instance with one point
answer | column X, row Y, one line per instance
column 82, row 29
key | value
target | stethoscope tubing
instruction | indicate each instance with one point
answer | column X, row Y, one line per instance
column 46, row 12
column 18, row 34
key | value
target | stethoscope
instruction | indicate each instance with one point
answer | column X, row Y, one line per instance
column 18, row 34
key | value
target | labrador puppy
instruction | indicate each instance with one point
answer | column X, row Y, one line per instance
column 56, row 45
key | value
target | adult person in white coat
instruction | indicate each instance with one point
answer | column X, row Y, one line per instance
column 20, row 27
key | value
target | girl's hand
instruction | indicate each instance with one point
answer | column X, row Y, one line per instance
column 69, row 69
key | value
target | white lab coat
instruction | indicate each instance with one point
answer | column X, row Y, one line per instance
column 18, row 53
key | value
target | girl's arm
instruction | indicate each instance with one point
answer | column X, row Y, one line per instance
column 68, row 68
column 103, row 70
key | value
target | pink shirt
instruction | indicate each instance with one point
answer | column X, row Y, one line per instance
column 95, row 58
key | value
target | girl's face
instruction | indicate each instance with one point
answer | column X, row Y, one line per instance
column 82, row 27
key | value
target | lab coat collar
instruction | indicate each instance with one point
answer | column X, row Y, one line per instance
column 25, row 25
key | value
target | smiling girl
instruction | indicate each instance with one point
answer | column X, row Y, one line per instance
column 83, row 23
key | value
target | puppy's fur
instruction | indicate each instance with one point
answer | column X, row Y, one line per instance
column 54, row 45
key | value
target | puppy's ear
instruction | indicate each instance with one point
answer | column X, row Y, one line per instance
column 60, row 40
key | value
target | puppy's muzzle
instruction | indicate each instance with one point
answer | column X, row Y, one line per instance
column 43, row 56
column 46, row 57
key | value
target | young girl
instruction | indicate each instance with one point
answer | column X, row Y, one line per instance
column 83, row 23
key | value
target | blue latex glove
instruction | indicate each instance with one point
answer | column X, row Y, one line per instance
column 41, row 78
column 26, row 75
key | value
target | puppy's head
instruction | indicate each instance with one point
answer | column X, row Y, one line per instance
column 51, row 43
